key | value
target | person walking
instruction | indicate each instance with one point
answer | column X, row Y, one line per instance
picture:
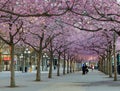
column 84, row 69
column 92, row 67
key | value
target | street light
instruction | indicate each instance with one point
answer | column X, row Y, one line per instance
column 44, row 62
column 55, row 61
column 21, row 61
column 27, row 60
column 33, row 60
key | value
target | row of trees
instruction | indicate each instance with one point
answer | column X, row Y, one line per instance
column 40, row 37
column 61, row 26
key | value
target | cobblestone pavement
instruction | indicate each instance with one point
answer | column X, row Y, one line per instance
column 93, row 81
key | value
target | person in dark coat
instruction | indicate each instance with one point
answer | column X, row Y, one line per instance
column 86, row 69
column 83, row 69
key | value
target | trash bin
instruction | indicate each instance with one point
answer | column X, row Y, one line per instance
column 25, row 69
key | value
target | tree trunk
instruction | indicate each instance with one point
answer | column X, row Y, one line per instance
column 68, row 66
column 0, row 62
column 115, row 61
column 12, row 80
column 38, row 74
column 51, row 63
column 107, row 63
column 58, row 66
column 73, row 66
column 102, row 65
column 110, row 65
column 64, row 64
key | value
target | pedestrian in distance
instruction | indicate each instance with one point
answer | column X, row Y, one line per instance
column 83, row 69
column 92, row 67
column 86, row 69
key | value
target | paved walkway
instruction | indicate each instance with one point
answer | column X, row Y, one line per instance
column 93, row 81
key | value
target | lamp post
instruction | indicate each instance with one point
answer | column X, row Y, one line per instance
column 21, row 61
column 44, row 62
column 55, row 62
column 27, row 59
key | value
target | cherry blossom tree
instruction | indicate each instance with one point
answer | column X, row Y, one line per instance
column 11, row 33
column 1, row 46
column 38, row 41
column 37, row 8
column 60, row 47
column 85, row 21
column 51, row 48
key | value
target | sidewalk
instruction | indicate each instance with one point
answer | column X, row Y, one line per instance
column 93, row 81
